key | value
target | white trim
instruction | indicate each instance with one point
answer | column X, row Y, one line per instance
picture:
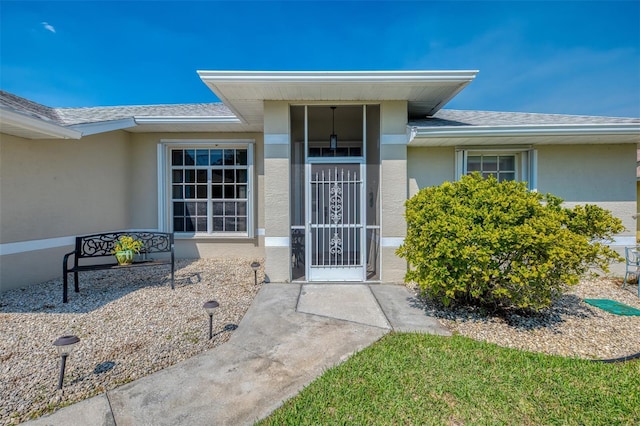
column 400, row 139
column 164, row 197
column 526, row 161
column 276, row 139
column 104, row 126
column 391, row 241
column 276, row 241
column 533, row 170
column 36, row 125
column 52, row 243
column 187, row 120
column 162, row 166
column 195, row 142
column 34, row 245
column 260, row 232
column 337, row 76
column 526, row 130
column 624, row 241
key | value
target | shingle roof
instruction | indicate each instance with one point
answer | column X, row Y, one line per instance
column 454, row 118
column 25, row 106
column 444, row 117
column 71, row 116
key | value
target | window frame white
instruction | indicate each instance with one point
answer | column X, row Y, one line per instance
column 526, row 161
column 165, row 205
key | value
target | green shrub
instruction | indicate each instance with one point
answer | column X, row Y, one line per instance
column 498, row 245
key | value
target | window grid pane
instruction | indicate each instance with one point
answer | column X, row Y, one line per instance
column 502, row 167
column 209, row 190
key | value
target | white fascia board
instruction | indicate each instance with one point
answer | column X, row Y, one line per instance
column 104, row 126
column 526, row 130
column 337, row 76
column 37, row 125
column 223, row 119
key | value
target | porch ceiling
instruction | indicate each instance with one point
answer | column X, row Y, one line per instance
column 244, row 91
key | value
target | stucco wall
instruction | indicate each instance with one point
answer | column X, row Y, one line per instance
column 429, row 167
column 588, row 172
column 55, row 189
column 52, row 188
column 393, row 188
column 597, row 174
column 276, row 191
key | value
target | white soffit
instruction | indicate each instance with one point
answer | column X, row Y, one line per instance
column 16, row 124
column 244, row 91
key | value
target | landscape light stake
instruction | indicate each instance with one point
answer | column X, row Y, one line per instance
column 255, row 266
column 209, row 307
column 64, row 345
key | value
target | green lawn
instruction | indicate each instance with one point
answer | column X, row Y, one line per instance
column 420, row 379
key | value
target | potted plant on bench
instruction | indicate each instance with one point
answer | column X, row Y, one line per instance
column 124, row 249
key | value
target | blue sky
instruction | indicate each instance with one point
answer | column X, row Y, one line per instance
column 575, row 57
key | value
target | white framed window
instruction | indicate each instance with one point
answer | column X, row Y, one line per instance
column 207, row 188
column 503, row 163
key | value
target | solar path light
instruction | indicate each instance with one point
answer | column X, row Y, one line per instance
column 64, row 345
column 255, row 266
column 210, row 307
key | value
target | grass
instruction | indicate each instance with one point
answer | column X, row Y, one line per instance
column 419, row 379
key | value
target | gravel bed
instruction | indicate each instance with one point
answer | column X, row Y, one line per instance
column 569, row 328
column 129, row 324
column 132, row 324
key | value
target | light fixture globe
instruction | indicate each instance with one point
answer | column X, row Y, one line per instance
column 65, row 344
column 255, row 266
column 333, row 138
column 210, row 306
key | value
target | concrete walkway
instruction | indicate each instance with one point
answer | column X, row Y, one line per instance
column 290, row 335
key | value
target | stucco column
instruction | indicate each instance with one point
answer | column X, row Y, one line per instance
column 276, row 191
column 393, row 187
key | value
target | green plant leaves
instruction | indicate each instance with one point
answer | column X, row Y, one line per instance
column 477, row 241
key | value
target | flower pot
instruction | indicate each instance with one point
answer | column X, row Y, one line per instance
column 124, row 257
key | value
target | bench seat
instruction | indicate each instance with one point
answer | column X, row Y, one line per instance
column 100, row 246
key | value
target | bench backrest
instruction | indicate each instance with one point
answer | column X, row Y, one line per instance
column 98, row 245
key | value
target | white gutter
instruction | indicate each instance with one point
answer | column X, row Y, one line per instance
column 213, row 119
column 104, row 126
column 36, row 125
column 337, row 76
column 525, row 130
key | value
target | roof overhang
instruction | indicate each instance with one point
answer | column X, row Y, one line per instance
column 532, row 134
column 191, row 124
column 25, row 126
column 104, row 126
column 245, row 91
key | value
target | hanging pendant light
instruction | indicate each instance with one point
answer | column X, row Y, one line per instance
column 333, row 139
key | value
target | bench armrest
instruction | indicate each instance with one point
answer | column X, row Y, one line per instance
column 65, row 261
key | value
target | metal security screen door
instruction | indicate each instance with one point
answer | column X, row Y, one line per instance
column 335, row 250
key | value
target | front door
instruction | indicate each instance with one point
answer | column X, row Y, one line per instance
column 335, row 220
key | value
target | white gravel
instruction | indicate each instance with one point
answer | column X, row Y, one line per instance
column 570, row 328
column 132, row 324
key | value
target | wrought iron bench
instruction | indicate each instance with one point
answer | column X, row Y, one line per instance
column 101, row 245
